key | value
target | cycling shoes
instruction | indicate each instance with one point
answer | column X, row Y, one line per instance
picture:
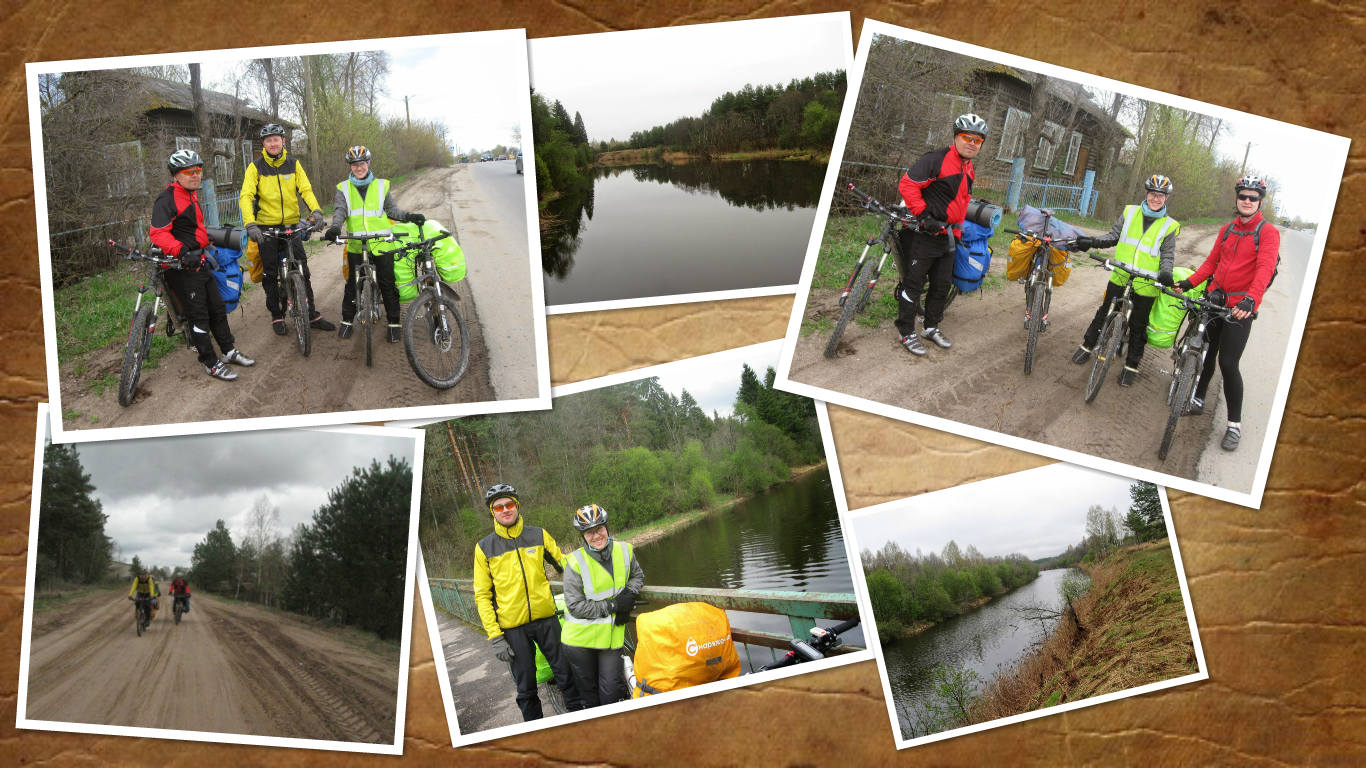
column 321, row 324
column 1081, row 355
column 1126, row 376
column 279, row 327
column 395, row 333
column 236, row 357
column 913, row 345
column 221, row 371
column 935, row 335
column 1231, row 438
column 1196, row 407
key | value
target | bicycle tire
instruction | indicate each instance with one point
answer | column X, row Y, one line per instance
column 367, row 314
column 1035, row 324
column 298, row 310
column 1106, row 350
column 953, row 294
column 435, row 312
column 177, row 615
column 135, row 354
column 865, row 276
column 137, row 619
column 556, row 697
column 1189, row 363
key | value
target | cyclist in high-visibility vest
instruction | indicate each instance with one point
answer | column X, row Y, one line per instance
column 366, row 207
column 1145, row 236
column 145, row 586
column 600, row 588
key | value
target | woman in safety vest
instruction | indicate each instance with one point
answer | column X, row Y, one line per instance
column 1144, row 236
column 366, row 207
column 600, row 588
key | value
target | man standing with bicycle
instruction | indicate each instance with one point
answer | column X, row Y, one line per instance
column 366, row 207
column 271, row 190
column 178, row 230
column 1242, row 266
column 1144, row 236
column 938, row 189
column 515, row 603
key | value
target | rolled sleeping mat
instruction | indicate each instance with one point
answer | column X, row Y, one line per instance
column 226, row 237
column 984, row 214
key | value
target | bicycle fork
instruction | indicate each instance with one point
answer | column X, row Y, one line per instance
column 858, row 267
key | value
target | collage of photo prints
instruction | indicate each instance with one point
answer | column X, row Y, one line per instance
column 313, row 280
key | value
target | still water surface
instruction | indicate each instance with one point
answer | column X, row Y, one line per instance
column 980, row 640
column 787, row 538
column 662, row 229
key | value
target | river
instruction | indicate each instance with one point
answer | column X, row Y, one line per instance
column 662, row 229
column 786, row 538
column 981, row 640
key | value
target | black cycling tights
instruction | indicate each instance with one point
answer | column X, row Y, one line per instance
column 1227, row 340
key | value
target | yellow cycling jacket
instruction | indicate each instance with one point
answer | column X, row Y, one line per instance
column 510, row 586
column 150, row 588
column 271, row 190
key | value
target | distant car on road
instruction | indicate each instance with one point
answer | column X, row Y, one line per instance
column 487, row 156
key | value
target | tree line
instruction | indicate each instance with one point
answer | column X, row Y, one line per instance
column 563, row 155
column 1107, row 529
column 636, row 449
column 907, row 588
column 72, row 545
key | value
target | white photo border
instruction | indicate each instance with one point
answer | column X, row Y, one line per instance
column 870, row 632
column 837, row 486
column 513, row 37
column 405, row 647
column 1335, row 159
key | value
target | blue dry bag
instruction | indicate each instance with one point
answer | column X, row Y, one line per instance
column 229, row 277
column 973, row 259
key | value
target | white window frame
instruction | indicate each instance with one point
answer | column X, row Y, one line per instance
column 946, row 105
column 1048, row 145
column 1012, row 133
column 132, row 181
column 222, row 164
column 247, row 154
column 1073, row 151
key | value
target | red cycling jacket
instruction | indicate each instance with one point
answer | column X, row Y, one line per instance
column 940, row 184
column 179, row 587
column 177, row 221
column 1236, row 265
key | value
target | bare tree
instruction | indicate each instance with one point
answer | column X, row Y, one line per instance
column 262, row 531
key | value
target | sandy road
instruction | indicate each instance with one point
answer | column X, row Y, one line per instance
column 981, row 381
column 334, row 378
column 224, row 669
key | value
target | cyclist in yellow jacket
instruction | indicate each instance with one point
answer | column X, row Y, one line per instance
column 271, row 190
column 145, row 586
column 514, row 599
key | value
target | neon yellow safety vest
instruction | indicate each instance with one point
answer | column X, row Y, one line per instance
column 598, row 584
column 1142, row 248
column 365, row 215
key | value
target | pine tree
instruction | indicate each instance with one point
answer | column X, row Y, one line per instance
column 1148, row 504
column 580, row 131
column 71, row 542
column 214, row 559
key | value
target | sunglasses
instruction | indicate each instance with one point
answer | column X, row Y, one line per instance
column 193, row 172
column 1249, row 198
column 975, row 141
column 505, row 506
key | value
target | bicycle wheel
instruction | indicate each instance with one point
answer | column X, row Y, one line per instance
column 436, row 339
column 1106, row 351
column 953, row 294
column 1035, row 324
column 177, row 613
column 1185, row 384
column 556, row 697
column 298, row 311
column 367, row 317
column 850, row 307
column 135, row 353
column 137, row 619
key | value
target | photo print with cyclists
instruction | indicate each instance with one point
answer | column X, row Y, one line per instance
column 212, row 592
column 658, row 534
column 306, row 221
column 1062, row 264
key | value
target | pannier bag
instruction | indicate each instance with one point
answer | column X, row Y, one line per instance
column 229, row 277
column 681, row 646
column 544, row 673
column 1167, row 313
column 255, row 268
column 973, row 258
column 450, row 258
column 1021, row 255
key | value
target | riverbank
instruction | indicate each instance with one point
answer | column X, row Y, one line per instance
column 1128, row 630
column 637, row 156
column 920, row 626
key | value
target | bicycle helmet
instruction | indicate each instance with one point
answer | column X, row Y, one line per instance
column 1250, row 182
column 588, row 517
column 970, row 123
column 182, row 159
column 499, row 491
column 272, row 129
column 357, row 154
column 1159, row 183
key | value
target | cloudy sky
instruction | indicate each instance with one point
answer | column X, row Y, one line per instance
column 1037, row 513
column 162, row 495
column 714, row 385
column 623, row 82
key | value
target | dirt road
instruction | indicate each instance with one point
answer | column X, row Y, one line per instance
column 224, row 669
column 334, row 377
column 981, row 381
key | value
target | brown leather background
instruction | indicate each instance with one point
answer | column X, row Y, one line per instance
column 1277, row 592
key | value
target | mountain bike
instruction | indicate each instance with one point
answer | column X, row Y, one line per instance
column 142, row 613
column 859, row 288
column 434, row 332
column 144, row 325
column 1116, row 327
column 367, row 289
column 293, row 290
column 1038, row 287
column 1188, row 357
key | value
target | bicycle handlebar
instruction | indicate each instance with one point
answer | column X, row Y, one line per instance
column 170, row 262
column 1195, row 301
column 840, row 629
column 898, row 212
column 1126, row 267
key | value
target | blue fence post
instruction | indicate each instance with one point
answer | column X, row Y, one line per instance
column 1086, row 185
column 1016, row 183
column 209, row 202
column 1044, row 202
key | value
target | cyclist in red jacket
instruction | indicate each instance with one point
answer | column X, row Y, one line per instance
column 938, row 188
column 1242, row 263
column 181, row 591
column 178, row 230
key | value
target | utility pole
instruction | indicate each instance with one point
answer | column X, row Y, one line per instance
column 408, row 115
column 1245, row 153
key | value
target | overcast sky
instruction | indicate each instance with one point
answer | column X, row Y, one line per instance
column 162, row 495
column 1037, row 512
column 714, row 386
column 623, row 82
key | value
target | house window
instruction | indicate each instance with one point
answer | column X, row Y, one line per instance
column 1048, row 145
column 247, row 155
column 1012, row 136
column 222, row 164
column 1073, row 150
column 947, row 108
column 128, row 176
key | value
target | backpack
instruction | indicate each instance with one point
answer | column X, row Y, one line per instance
column 229, row 277
column 973, row 257
column 1256, row 246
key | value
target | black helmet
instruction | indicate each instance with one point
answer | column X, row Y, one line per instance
column 357, row 154
column 970, row 123
column 1250, row 182
column 590, row 516
column 498, row 491
column 1158, row 183
column 182, row 159
column 272, row 129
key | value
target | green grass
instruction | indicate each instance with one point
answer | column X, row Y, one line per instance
column 95, row 312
